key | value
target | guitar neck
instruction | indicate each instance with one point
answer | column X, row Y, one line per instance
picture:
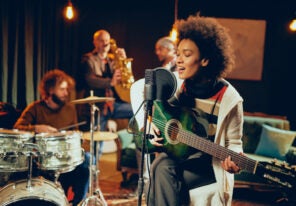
column 216, row 150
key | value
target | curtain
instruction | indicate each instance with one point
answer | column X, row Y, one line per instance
column 34, row 39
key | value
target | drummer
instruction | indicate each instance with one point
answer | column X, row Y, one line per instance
column 50, row 114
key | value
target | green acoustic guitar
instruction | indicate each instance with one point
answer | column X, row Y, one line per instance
column 176, row 126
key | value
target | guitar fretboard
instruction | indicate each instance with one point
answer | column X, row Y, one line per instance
column 216, row 150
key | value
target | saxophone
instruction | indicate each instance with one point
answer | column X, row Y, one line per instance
column 125, row 65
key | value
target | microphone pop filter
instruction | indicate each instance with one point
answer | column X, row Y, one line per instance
column 166, row 83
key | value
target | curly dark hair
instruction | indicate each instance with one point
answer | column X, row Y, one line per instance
column 53, row 78
column 213, row 41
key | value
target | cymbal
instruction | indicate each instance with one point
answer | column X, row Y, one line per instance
column 92, row 99
column 100, row 136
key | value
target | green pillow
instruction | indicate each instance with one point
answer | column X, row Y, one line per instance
column 125, row 138
column 275, row 142
column 251, row 136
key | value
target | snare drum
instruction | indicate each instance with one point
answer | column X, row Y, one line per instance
column 60, row 151
column 41, row 192
column 13, row 153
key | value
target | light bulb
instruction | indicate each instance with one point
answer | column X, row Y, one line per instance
column 292, row 25
column 69, row 11
column 173, row 34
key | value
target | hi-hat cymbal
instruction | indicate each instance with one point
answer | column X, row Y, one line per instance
column 100, row 136
column 92, row 99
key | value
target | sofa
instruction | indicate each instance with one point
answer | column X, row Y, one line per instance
column 267, row 139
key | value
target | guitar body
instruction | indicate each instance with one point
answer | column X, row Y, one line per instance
column 171, row 121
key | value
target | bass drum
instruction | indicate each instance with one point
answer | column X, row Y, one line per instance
column 41, row 193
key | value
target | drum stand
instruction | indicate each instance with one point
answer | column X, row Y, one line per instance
column 29, row 177
column 30, row 155
column 95, row 194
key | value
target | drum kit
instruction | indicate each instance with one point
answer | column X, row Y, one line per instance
column 60, row 152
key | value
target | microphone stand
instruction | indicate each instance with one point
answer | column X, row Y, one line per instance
column 149, row 97
column 148, row 112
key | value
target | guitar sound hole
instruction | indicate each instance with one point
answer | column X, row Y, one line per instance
column 173, row 131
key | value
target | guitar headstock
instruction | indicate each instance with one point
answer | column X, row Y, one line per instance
column 278, row 172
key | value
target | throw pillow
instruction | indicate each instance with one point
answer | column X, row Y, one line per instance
column 251, row 136
column 275, row 142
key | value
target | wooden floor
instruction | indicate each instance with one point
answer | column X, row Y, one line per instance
column 110, row 184
column 110, row 179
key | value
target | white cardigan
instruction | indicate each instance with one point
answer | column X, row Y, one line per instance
column 228, row 134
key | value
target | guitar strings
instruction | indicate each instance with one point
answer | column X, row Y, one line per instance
column 249, row 163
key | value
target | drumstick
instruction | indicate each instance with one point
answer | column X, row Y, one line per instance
column 73, row 125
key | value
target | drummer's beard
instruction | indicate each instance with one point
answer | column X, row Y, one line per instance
column 58, row 100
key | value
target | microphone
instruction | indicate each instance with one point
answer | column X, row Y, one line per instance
column 149, row 89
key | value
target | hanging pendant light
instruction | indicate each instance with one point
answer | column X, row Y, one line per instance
column 69, row 11
column 292, row 25
column 174, row 32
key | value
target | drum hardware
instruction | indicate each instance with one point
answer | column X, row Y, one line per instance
column 31, row 150
column 29, row 177
column 95, row 197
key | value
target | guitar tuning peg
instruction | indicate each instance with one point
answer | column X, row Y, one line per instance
column 286, row 165
column 293, row 167
column 275, row 161
column 279, row 163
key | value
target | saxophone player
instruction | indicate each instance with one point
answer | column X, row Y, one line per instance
column 99, row 73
